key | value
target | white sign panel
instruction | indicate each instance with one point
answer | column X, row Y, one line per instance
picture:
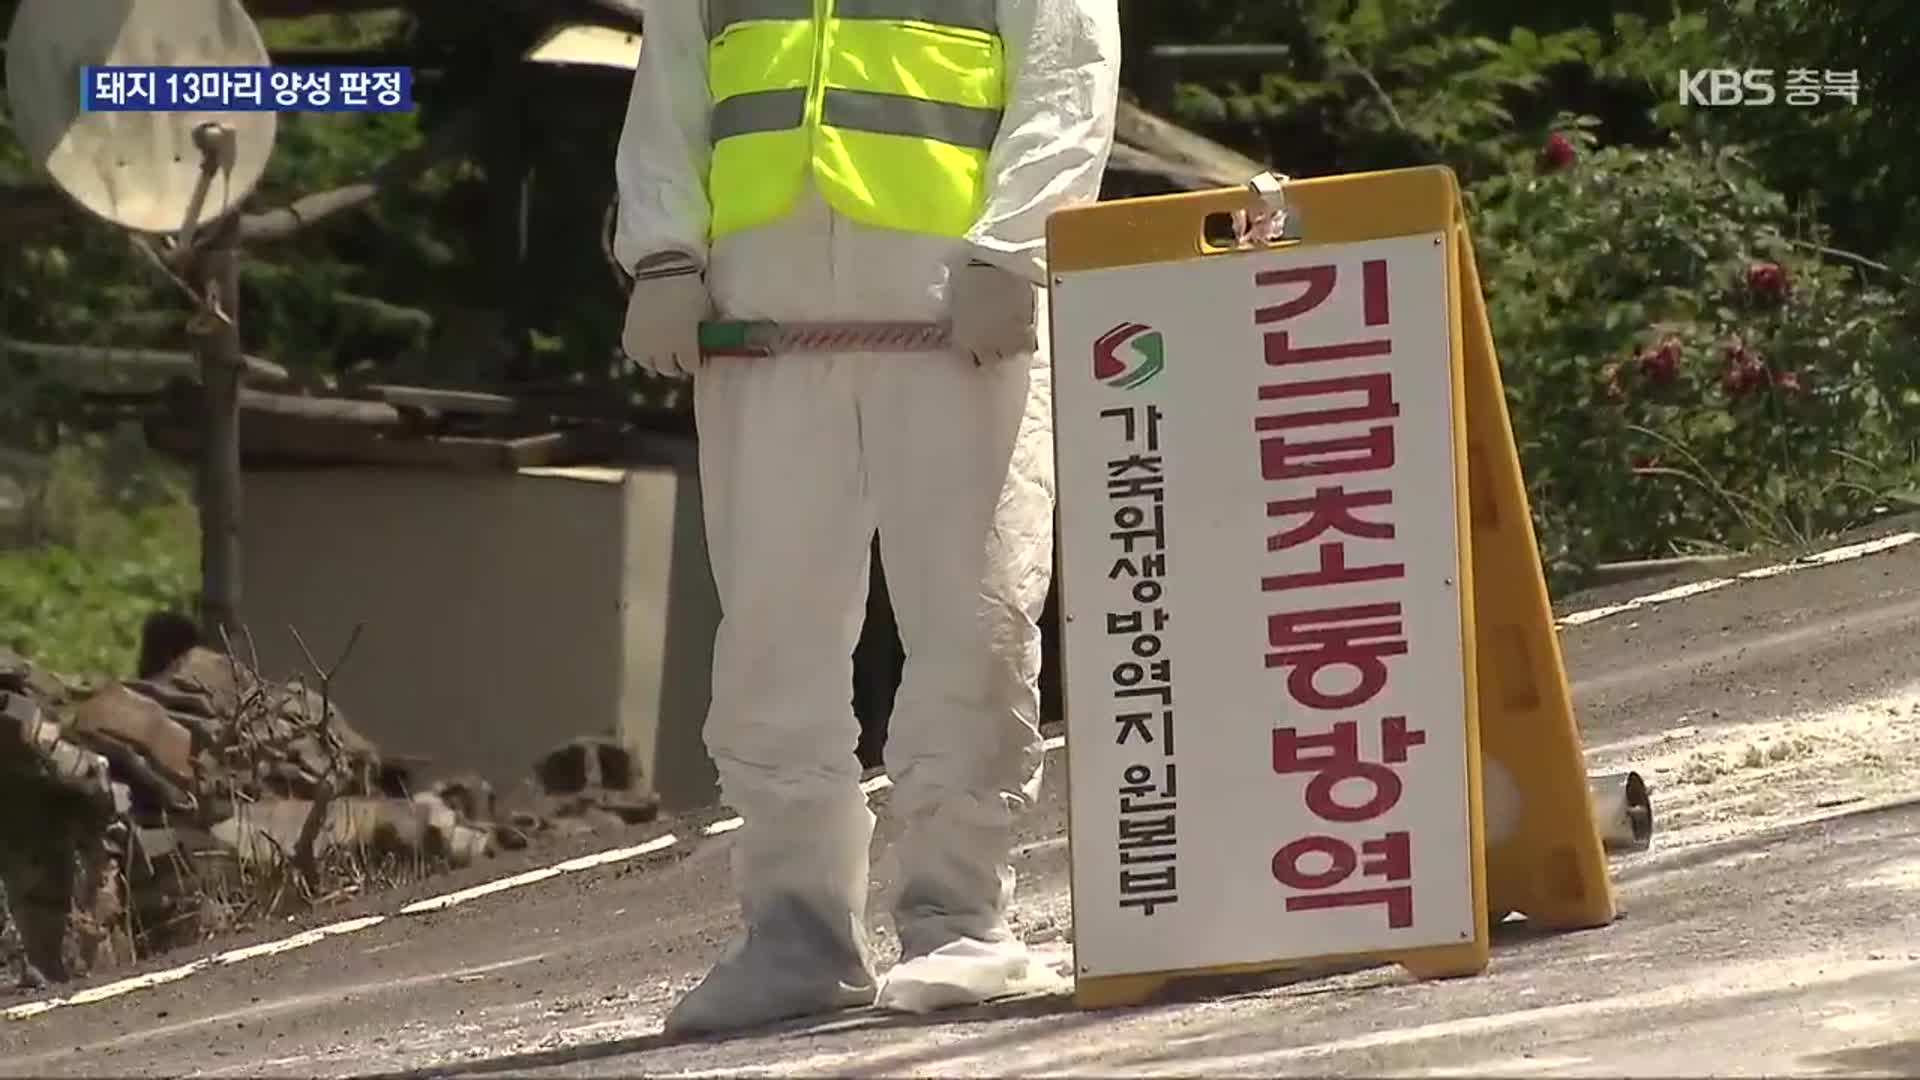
column 1261, row 617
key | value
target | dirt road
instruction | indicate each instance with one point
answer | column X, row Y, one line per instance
column 1771, row 929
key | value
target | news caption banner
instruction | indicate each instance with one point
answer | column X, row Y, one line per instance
column 1297, row 566
column 273, row 88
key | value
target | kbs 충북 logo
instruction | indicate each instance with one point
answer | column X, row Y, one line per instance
column 1146, row 355
column 1758, row 86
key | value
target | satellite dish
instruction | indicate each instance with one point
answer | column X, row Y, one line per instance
column 140, row 170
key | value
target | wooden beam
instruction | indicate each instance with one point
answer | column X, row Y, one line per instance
column 432, row 399
column 365, row 414
column 1132, row 160
column 1193, row 153
column 291, row 442
column 184, row 399
column 160, row 362
column 310, row 210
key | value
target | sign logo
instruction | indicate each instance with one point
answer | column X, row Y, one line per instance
column 1145, row 356
column 1726, row 86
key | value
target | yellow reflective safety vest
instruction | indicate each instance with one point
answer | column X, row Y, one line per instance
column 889, row 107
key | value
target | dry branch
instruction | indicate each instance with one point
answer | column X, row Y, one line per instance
column 304, row 858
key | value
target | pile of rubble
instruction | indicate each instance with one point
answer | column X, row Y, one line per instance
column 148, row 813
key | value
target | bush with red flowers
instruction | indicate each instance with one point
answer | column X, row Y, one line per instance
column 1686, row 367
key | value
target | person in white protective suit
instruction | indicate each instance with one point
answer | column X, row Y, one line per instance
column 866, row 160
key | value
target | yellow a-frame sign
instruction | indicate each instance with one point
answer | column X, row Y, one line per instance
column 1306, row 632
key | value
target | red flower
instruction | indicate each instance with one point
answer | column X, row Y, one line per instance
column 1745, row 372
column 1558, row 153
column 1767, row 279
column 1645, row 462
column 1788, row 382
column 1661, row 363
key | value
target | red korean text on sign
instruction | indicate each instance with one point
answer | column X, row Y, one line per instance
column 1327, row 433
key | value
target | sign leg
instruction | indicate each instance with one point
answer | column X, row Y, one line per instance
column 1548, row 864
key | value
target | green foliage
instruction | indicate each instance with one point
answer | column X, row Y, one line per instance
column 1852, row 161
column 1626, row 292
column 104, row 537
column 1382, row 83
column 1642, row 246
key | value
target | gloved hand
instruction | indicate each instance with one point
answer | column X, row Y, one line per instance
column 993, row 312
column 664, row 310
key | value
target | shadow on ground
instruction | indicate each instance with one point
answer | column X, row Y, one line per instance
column 1883, row 1059
column 1677, row 960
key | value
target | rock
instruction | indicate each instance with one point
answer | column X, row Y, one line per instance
column 156, row 843
column 213, row 681
column 469, row 795
column 466, row 845
column 439, row 816
column 198, row 728
column 65, row 897
column 20, row 721
column 451, row 834
column 165, row 794
column 153, row 793
column 119, row 713
column 84, row 772
column 597, row 777
column 385, row 825
column 564, row 769
column 14, row 671
column 165, row 637
column 13, row 947
column 41, row 754
column 269, row 832
column 314, row 758
column 21, row 676
column 308, row 708
column 396, row 776
column 264, row 833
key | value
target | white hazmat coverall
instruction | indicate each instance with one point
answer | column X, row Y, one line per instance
column 803, row 456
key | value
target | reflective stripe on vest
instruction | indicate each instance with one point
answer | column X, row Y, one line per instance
column 889, row 107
